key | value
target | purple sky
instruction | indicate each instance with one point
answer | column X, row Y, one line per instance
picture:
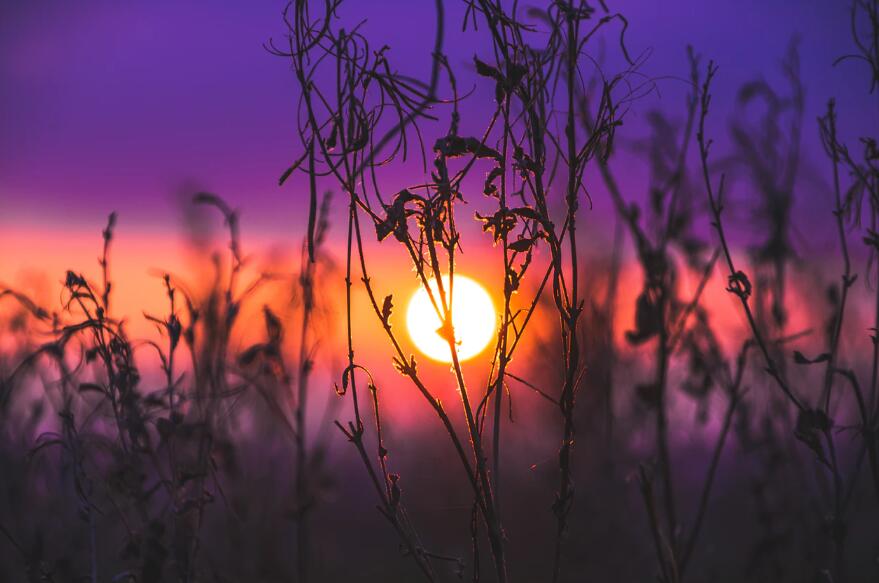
column 125, row 106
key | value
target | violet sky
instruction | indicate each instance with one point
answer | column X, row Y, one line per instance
column 127, row 105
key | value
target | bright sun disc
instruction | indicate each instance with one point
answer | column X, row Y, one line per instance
column 473, row 319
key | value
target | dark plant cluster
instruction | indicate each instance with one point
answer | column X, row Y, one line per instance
column 131, row 463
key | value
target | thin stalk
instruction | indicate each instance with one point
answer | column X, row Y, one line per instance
column 847, row 278
column 304, row 368
column 571, row 315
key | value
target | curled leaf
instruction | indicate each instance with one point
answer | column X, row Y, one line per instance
column 387, row 306
column 739, row 284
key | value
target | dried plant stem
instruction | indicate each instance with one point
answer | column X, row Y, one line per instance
column 827, row 125
column 870, row 447
column 484, row 488
column 410, row 372
column 664, row 553
column 571, row 314
column 848, row 279
column 735, row 397
column 665, row 461
column 503, row 358
column 741, row 287
column 339, row 124
column 739, row 284
column 303, row 496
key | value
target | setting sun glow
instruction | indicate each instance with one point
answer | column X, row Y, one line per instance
column 473, row 318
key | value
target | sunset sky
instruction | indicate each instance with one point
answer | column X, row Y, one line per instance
column 108, row 106
column 133, row 107
column 719, row 341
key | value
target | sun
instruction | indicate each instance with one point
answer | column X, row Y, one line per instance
column 473, row 318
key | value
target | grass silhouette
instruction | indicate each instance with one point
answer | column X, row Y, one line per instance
column 227, row 462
